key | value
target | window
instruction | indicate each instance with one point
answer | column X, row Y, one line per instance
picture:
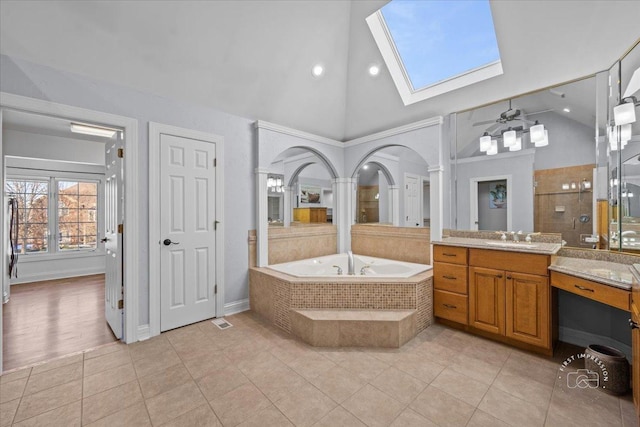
column 73, row 228
column 33, row 204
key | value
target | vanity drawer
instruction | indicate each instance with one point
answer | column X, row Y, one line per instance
column 450, row 277
column 609, row 295
column 450, row 254
column 518, row 262
column 448, row 305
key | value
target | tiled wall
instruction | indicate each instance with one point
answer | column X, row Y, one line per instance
column 272, row 295
column 385, row 241
column 296, row 242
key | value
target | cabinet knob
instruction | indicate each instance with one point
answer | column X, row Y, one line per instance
column 633, row 325
column 499, row 276
column 509, row 277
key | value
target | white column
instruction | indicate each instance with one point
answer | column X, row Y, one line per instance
column 343, row 211
column 394, row 205
column 436, row 175
column 286, row 219
column 262, row 219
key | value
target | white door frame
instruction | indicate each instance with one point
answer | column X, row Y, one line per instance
column 155, row 130
column 131, row 275
column 473, row 202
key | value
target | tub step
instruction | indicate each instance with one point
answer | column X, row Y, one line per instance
column 354, row 328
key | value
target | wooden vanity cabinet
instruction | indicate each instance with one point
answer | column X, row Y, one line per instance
column 635, row 345
column 486, row 299
column 450, row 270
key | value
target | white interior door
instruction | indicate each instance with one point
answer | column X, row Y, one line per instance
column 412, row 208
column 187, row 225
column 114, row 216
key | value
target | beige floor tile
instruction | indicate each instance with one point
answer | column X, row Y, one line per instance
column 305, row 405
column 363, row 365
column 532, row 367
column 585, row 406
column 202, row 365
column 202, row 416
column 106, row 362
column 410, row 418
column 173, row 403
column 436, row 352
column 338, row 383
column 399, row 385
column 260, row 363
column 290, row 350
column 149, row 348
column 110, row 401
column 12, row 390
column 14, row 375
column 339, row 417
column 105, row 380
column 442, row 408
column 510, row 409
column 277, row 383
column 221, row 381
column 49, row 399
column 239, row 404
column 311, row 365
column 482, row 419
column 628, row 412
column 54, row 377
column 105, row 349
column 476, row 369
column 461, row 386
column 373, row 407
column 65, row 416
column 8, row 412
column 170, row 378
column 56, row 363
column 247, row 349
column 419, row 367
column 270, row 416
column 531, row 391
column 157, row 363
column 193, row 350
column 135, row 415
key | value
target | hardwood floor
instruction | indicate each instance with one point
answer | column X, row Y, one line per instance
column 45, row 320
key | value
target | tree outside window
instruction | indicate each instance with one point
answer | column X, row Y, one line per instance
column 33, row 202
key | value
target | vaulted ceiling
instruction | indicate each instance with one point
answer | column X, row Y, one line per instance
column 254, row 58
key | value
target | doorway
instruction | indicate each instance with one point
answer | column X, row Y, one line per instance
column 489, row 204
column 33, row 109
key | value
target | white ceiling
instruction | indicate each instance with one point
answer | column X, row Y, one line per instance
column 253, row 58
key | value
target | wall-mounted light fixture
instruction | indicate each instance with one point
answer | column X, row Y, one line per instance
column 625, row 112
column 275, row 184
column 565, row 186
column 585, row 185
column 93, row 130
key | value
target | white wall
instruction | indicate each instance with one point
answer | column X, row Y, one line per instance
column 570, row 143
column 35, row 145
column 35, row 81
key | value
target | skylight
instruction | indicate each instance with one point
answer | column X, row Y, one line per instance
column 432, row 47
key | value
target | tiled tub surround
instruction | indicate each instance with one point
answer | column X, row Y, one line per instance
column 386, row 241
column 297, row 242
column 273, row 295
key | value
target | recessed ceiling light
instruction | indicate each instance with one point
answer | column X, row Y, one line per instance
column 92, row 130
column 365, row 167
column 566, row 110
column 317, row 70
column 374, row 70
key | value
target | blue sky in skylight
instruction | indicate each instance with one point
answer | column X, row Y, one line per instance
column 438, row 40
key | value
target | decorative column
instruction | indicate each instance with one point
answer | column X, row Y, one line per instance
column 344, row 211
column 436, row 175
column 262, row 219
column 286, row 219
column 394, row 205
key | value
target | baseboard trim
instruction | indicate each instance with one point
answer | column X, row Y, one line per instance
column 57, row 275
column 236, row 307
column 581, row 338
column 144, row 332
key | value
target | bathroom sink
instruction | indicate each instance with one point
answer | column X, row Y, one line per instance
column 523, row 245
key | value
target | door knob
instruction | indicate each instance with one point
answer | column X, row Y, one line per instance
column 633, row 325
column 104, row 240
column 168, row 242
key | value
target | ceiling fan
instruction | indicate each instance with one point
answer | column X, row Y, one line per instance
column 507, row 116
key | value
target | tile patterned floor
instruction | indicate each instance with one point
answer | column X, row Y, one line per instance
column 255, row 375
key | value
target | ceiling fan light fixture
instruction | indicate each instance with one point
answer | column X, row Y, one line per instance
column 536, row 132
column 509, row 138
column 545, row 141
column 493, row 149
column 625, row 112
column 518, row 145
column 485, row 142
column 625, row 133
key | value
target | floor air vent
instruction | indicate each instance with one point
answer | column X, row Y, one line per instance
column 221, row 323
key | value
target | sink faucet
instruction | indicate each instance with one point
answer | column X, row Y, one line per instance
column 363, row 269
column 516, row 236
column 350, row 264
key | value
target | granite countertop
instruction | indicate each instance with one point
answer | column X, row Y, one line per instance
column 605, row 272
column 533, row 248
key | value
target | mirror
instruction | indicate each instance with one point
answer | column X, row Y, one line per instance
column 299, row 182
column 625, row 154
column 393, row 188
column 549, row 183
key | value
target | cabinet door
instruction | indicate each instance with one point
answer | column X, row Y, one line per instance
column 527, row 308
column 486, row 299
column 635, row 342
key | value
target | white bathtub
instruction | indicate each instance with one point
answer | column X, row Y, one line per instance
column 324, row 267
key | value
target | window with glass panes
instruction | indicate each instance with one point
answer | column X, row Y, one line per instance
column 33, row 213
column 77, row 205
